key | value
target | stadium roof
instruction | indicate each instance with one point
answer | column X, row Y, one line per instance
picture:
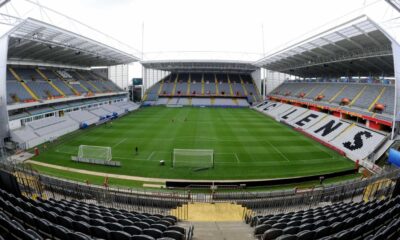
column 358, row 47
column 201, row 66
column 34, row 41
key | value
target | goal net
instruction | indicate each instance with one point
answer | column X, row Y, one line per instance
column 193, row 158
column 89, row 153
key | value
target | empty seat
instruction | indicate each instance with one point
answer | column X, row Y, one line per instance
column 155, row 233
column 120, row 235
column 100, row 232
column 271, row 234
column 173, row 234
column 133, row 230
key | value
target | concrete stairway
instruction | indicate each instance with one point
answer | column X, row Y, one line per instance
column 222, row 231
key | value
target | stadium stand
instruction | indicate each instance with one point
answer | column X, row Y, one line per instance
column 356, row 142
column 23, row 218
column 29, row 84
column 362, row 97
column 355, row 220
column 50, row 128
column 239, row 90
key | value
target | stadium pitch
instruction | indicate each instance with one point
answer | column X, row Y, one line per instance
column 246, row 144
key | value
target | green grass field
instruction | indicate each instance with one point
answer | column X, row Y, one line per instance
column 247, row 145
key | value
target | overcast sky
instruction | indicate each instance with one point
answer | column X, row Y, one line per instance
column 206, row 25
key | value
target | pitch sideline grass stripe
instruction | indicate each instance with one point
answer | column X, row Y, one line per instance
column 137, row 178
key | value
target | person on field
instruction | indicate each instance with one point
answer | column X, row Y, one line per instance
column 136, row 150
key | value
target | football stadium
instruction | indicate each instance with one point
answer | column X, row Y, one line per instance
column 100, row 140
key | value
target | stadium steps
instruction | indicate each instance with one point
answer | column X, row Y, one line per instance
column 214, row 221
column 216, row 85
column 256, row 96
column 309, row 92
column 76, row 92
column 33, row 95
column 243, row 86
column 161, row 87
column 359, row 94
column 342, row 132
column 230, row 85
column 374, row 188
column 376, row 99
column 188, row 84
column 89, row 82
column 338, row 93
column 222, row 230
column 323, row 90
column 175, row 82
column 202, row 84
column 51, row 84
column 86, row 89
column 95, row 76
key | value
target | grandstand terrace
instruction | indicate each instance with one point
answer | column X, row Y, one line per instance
column 207, row 153
column 201, row 83
column 48, row 78
column 347, row 71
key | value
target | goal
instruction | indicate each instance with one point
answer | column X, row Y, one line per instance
column 90, row 153
column 193, row 158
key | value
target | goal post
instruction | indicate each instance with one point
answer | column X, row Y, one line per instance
column 101, row 153
column 193, row 158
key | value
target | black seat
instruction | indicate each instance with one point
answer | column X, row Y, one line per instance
column 260, row 229
column 133, row 230
column 178, row 229
column 60, row 232
column 97, row 222
column 337, row 227
column 65, row 221
column 125, row 222
column 142, row 225
column 78, row 236
column 290, row 230
column 114, row 226
column 305, row 235
column 120, row 235
column 279, row 225
column 344, row 235
column 82, row 227
column 173, row 234
column 287, row 237
column 272, row 234
column 33, row 234
column 43, row 225
column 100, row 232
column 155, row 233
column 306, row 226
column 322, row 232
column 142, row 237
column 160, row 227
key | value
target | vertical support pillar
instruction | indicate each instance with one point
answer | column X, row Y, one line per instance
column 396, row 113
column 4, row 128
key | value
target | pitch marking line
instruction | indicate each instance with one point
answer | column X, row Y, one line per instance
column 118, row 143
column 277, row 150
column 150, row 156
column 237, row 158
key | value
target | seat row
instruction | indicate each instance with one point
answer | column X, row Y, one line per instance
column 77, row 220
column 347, row 221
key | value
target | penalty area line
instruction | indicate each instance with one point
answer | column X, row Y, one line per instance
column 150, row 156
column 118, row 143
column 237, row 158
